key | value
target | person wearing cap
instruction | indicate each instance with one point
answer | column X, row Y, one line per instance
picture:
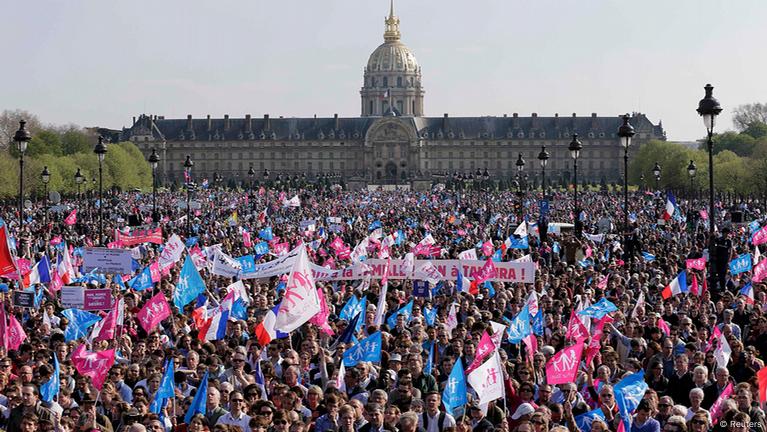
column 433, row 419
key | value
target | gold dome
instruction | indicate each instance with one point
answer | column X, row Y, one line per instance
column 392, row 57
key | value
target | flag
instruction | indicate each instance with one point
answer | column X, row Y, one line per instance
column 199, row 403
column 16, row 334
column 487, row 379
column 154, row 311
column 575, row 328
column 517, row 243
column 519, row 327
column 51, row 388
column 538, row 323
column 105, row 328
column 265, row 331
column 677, row 286
column 748, row 292
column 487, row 272
column 761, row 379
column 694, row 286
column 760, row 271
column 670, row 206
column 79, row 322
column 368, row 349
column 741, row 264
column 648, row 256
column 521, row 230
column 485, row 347
column 464, row 284
column 266, row 234
column 430, row 315
column 166, row 390
column 563, row 366
column 723, row 351
column 663, row 325
column 406, row 310
column 40, row 273
column 716, row 408
column 596, row 339
column 7, row 263
column 759, row 237
column 628, row 393
column 584, row 420
column 350, row 309
column 697, row 264
column 300, row 302
column 599, row 309
column 72, row 218
column 93, row 364
column 189, row 286
column 430, row 359
column 142, row 281
column 214, row 328
column 351, row 328
column 469, row 254
column 454, row 394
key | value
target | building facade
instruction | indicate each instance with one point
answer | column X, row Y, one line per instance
column 391, row 142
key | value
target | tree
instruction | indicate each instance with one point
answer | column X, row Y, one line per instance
column 75, row 140
column 43, row 142
column 741, row 144
column 9, row 124
column 756, row 130
column 744, row 115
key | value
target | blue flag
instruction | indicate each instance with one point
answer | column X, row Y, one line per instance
column 519, row 327
column 538, row 323
column 584, row 420
column 363, row 307
column 51, row 388
column 166, row 390
column 239, row 310
column 190, row 284
column 374, row 225
column 266, row 234
column 648, row 256
column 406, row 310
column 430, row 315
column 430, row 359
column 599, row 309
column 191, row 241
column 248, row 263
column 628, row 393
column 521, row 243
column 199, row 403
column 349, row 331
column 142, row 281
column 555, row 248
column 368, row 349
column 79, row 321
column 44, row 269
column 261, row 248
column 350, row 309
column 741, row 264
column 454, row 394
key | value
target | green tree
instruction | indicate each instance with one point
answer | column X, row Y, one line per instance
column 74, row 140
column 756, row 130
column 739, row 143
column 44, row 142
column 745, row 115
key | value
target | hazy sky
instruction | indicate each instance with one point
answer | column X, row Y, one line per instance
column 98, row 63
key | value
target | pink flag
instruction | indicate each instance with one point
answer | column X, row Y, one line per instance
column 716, row 408
column 16, row 334
column 487, row 272
column 596, row 339
column 664, row 326
column 562, row 368
column 694, row 287
column 154, row 271
column 760, row 236
column 321, row 319
column 281, row 248
column 602, row 284
column 56, row 240
column 697, row 264
column 703, row 214
column 108, row 324
column 760, row 271
column 484, row 349
column 154, row 311
column 56, row 283
column 531, row 342
column 246, row 239
column 487, row 248
column 95, row 365
column 72, row 218
column 575, row 329
column 589, row 251
column 337, row 244
column 3, row 328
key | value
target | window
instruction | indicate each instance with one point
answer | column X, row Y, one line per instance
column 371, row 108
column 426, row 165
column 399, row 81
column 385, row 81
column 399, row 106
column 412, row 110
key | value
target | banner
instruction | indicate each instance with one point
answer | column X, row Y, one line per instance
column 171, row 251
column 73, row 297
column 139, row 236
column 108, row 261
column 97, row 299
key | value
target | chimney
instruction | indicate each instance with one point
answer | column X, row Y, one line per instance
column 515, row 120
column 210, row 123
column 505, row 115
column 248, row 123
column 556, row 120
column 335, row 118
column 534, row 122
column 267, row 122
column 575, row 115
column 226, row 122
column 593, row 120
column 315, row 120
column 189, row 122
column 444, row 122
column 134, row 120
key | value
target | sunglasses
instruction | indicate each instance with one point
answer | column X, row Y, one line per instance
column 280, row 422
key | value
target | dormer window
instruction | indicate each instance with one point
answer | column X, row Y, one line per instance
column 520, row 134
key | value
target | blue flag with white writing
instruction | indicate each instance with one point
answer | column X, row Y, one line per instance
column 430, row 314
column 51, row 388
column 350, row 309
column 190, row 284
column 368, row 350
column 741, row 264
column 648, row 256
column 199, row 403
column 142, row 281
column 599, row 309
column 454, row 395
column 628, row 393
column 79, row 322
column 519, row 327
column 406, row 310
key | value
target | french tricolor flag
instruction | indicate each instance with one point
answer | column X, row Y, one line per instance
column 748, row 293
column 464, row 284
column 214, row 328
column 676, row 287
column 670, row 206
column 265, row 331
column 40, row 273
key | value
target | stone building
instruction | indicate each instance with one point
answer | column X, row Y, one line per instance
column 392, row 142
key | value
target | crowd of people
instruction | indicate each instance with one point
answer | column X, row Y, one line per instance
column 699, row 349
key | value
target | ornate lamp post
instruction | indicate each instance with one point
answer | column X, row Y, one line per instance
column 709, row 108
column 625, row 133
column 692, row 169
column 575, row 152
column 21, row 138
column 188, row 164
column 251, row 176
column 486, row 179
column 266, row 177
column 45, row 177
column 154, row 160
column 101, row 152
column 656, row 172
column 79, row 179
column 543, row 158
column 520, row 193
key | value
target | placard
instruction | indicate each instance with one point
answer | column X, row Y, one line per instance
column 420, row 288
column 73, row 297
column 97, row 299
column 112, row 261
column 23, row 299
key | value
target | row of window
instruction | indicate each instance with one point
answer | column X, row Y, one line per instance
column 510, row 165
column 271, row 165
column 373, row 81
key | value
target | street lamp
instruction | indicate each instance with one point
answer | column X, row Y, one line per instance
column 575, row 152
column 21, row 138
column 520, row 168
column 101, row 152
column 709, row 108
column 625, row 133
column 692, row 169
column 266, row 177
column 79, row 179
column 543, row 158
column 486, row 179
column 188, row 164
column 656, row 173
column 45, row 177
column 251, row 175
column 154, row 160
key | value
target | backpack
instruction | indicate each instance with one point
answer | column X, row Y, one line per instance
column 440, row 421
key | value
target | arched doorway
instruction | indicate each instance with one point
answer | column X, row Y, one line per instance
column 391, row 172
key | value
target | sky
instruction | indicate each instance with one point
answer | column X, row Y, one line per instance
column 99, row 63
